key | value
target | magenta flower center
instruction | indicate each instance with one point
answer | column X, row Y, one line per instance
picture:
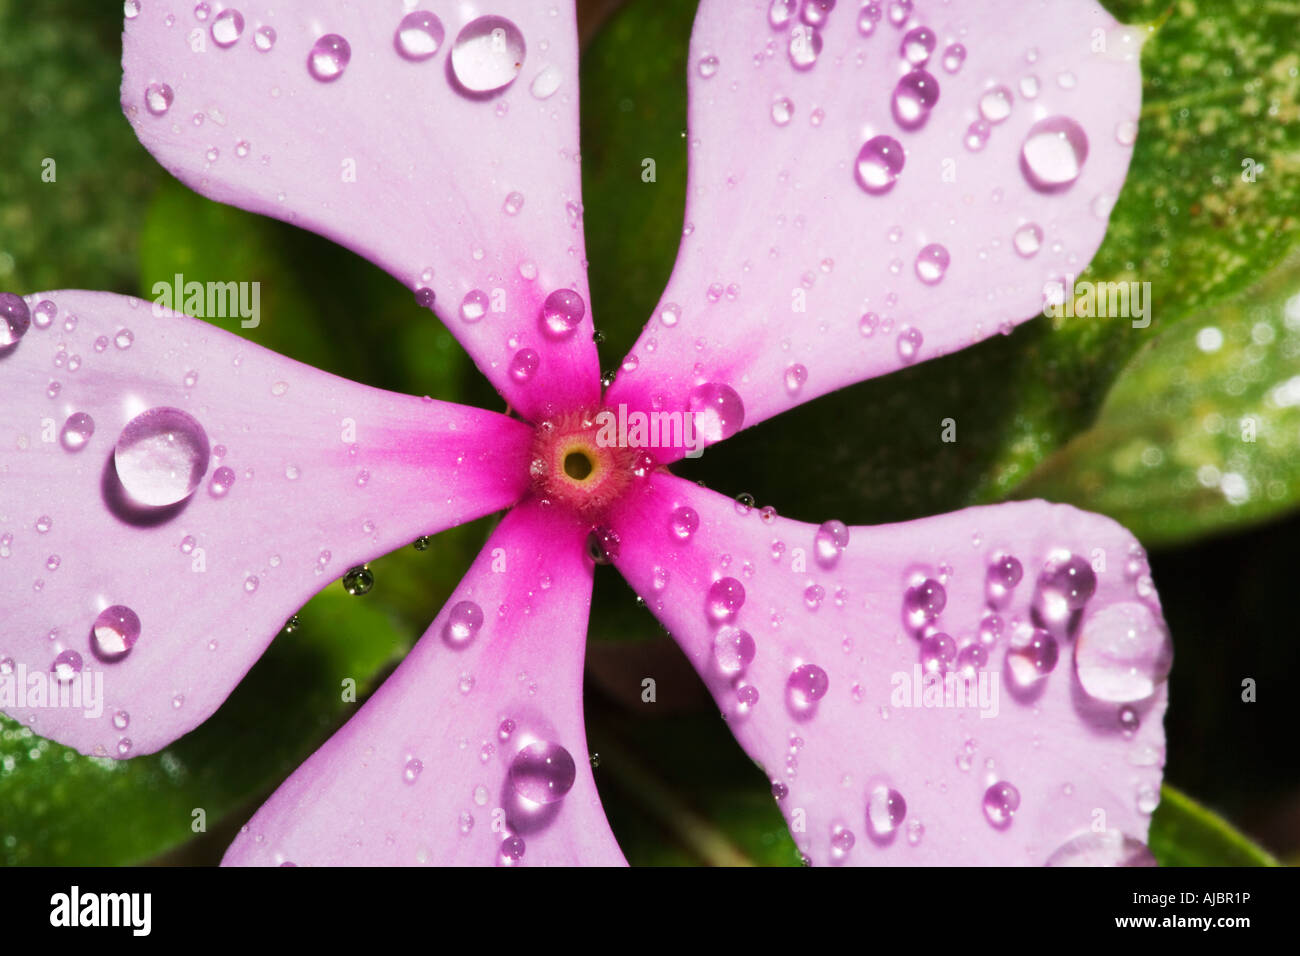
column 579, row 464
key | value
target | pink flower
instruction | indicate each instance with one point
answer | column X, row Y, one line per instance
column 868, row 188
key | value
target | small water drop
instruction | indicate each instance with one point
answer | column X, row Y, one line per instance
column 329, row 57
column 879, row 162
column 543, row 772
column 419, row 36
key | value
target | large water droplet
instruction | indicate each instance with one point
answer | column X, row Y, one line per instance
column 725, row 599
column 462, row 624
column 717, row 411
column 1064, row 586
column 161, row 457
column 683, row 522
column 562, row 313
column 1000, row 804
column 914, row 97
column 1123, row 653
column 829, row 543
column 488, row 54
column 879, row 162
column 806, row 685
column 917, row 45
column 523, row 365
column 1053, row 154
column 542, row 772
column 923, row 603
column 15, row 319
column 329, row 57
column 77, row 431
column 805, row 46
column 1032, row 657
column 115, row 631
column 733, row 649
column 227, row 28
column 1108, row 848
column 886, row 810
column 419, row 36
column 932, row 263
column 158, row 98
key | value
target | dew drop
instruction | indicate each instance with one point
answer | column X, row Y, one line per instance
column 829, row 543
column 227, row 27
column 264, row 39
column 546, row 82
column 923, row 603
column 358, row 580
column 158, row 98
column 914, row 97
column 1032, row 657
column 161, row 457
column 419, row 36
column 805, row 46
column 886, row 810
column 474, row 306
column 524, row 364
column 1000, row 804
column 66, row 666
column 1107, row 848
column 879, row 162
column 684, row 522
column 953, row 57
column 717, row 411
column 725, row 598
column 1028, row 239
column 1053, row 154
column 463, row 623
column 909, row 343
column 115, row 632
column 995, row 104
column 562, row 313
column 806, row 685
column 328, row 58
column 488, row 54
column 1123, row 653
column 411, row 772
column 222, row 479
column 918, row 44
column 782, row 111
column 543, row 772
column 931, row 264
column 795, row 376
column 781, row 12
column 733, row 649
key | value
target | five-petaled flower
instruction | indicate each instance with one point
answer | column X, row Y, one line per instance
column 868, row 187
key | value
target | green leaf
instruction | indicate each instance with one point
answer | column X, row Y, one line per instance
column 1184, row 833
column 1202, row 430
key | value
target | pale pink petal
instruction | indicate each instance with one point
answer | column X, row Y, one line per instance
column 296, row 475
column 829, row 697
column 473, row 752
column 473, row 197
column 792, row 280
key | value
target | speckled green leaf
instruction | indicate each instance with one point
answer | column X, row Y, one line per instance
column 1202, row 431
column 1184, row 833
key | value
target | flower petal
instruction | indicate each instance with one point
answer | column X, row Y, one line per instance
column 474, row 751
column 827, row 691
column 311, row 113
column 793, row 278
column 264, row 479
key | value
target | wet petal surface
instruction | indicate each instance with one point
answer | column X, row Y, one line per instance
column 836, row 655
column 473, row 752
column 443, row 147
column 866, row 194
column 170, row 494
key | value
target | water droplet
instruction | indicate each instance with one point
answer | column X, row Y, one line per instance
column 419, row 36
column 1032, row 656
column 831, row 539
column 227, row 28
column 131, row 9
column 1065, row 585
column 1028, row 239
column 725, row 599
column 909, row 343
column 66, row 666
column 511, row 850
column 158, row 98
column 953, row 57
column 781, row 12
column 923, row 603
column 1053, row 154
column 411, row 772
column 733, row 649
column 523, row 364
column 1123, row 653
column 115, row 631
column 329, row 57
column 717, row 411
column 868, row 17
column 917, row 45
column 358, row 580
column 782, row 110
column 546, row 82
column 879, row 162
column 463, row 623
column 914, row 97
column 886, row 810
column 121, row 720
column 795, row 376
column 670, row 314
column 707, row 66
column 264, row 39
column 1107, row 848
column 124, row 338
column 488, row 54
column 805, row 46
column 683, row 522
column 562, row 313
column 932, row 263
column 1000, row 804
column 995, row 104
column 1128, row 720
column 938, row 650
column 161, row 456
column 221, row 481
column 543, row 772
column 899, row 11
column 806, row 685
column 1003, row 574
